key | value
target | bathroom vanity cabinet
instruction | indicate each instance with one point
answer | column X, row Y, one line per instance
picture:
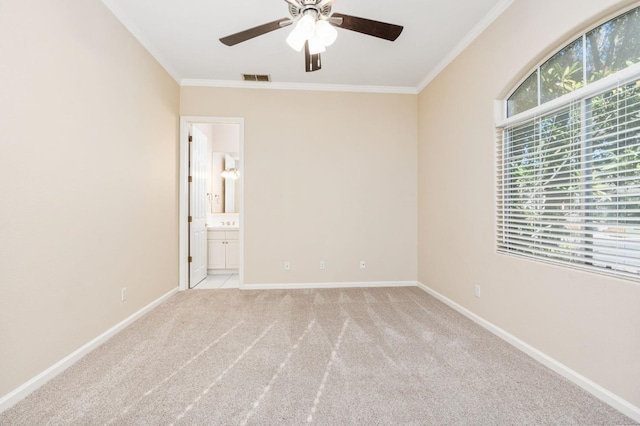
column 224, row 249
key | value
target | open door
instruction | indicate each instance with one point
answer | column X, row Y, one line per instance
column 197, row 206
column 187, row 271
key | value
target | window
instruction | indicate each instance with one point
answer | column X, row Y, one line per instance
column 569, row 155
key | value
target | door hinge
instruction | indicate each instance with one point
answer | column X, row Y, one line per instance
column 190, row 259
column 190, row 218
column 190, row 179
column 190, row 138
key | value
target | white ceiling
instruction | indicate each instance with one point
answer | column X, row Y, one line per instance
column 183, row 36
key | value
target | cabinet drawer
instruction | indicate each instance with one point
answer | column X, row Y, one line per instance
column 232, row 235
column 216, row 235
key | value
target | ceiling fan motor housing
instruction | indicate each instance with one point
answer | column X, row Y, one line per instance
column 309, row 5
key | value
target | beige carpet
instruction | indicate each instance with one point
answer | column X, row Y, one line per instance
column 295, row 357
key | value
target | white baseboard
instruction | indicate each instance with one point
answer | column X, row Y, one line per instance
column 302, row 286
column 593, row 388
column 15, row 396
column 222, row 271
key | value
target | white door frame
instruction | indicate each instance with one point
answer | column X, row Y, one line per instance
column 183, row 188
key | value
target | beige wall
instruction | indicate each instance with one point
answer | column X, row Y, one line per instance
column 88, row 174
column 88, row 183
column 589, row 322
column 221, row 137
column 328, row 176
column 225, row 137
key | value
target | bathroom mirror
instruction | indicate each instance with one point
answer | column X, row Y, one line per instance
column 224, row 191
column 223, row 147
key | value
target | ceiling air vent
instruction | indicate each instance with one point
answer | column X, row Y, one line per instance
column 256, row 77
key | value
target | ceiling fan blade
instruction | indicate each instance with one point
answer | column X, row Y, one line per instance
column 245, row 35
column 367, row 26
column 311, row 62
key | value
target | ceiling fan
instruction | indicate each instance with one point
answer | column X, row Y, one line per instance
column 314, row 29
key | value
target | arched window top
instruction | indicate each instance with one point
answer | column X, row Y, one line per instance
column 603, row 51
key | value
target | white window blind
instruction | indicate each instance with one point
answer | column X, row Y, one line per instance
column 569, row 183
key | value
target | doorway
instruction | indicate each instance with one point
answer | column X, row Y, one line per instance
column 186, row 125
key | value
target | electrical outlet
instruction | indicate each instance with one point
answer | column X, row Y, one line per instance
column 363, row 264
column 323, row 264
column 477, row 290
column 287, row 266
column 123, row 294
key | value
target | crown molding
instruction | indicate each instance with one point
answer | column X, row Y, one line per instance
column 465, row 42
column 299, row 86
column 137, row 34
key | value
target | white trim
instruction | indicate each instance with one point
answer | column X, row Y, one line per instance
column 183, row 188
column 137, row 34
column 302, row 286
column 233, row 271
column 466, row 41
column 299, row 86
column 588, row 385
column 15, row 396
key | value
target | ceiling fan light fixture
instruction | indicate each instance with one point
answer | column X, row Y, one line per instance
column 316, row 46
column 306, row 26
column 303, row 31
column 326, row 32
column 296, row 40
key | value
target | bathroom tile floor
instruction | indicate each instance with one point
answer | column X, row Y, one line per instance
column 219, row 281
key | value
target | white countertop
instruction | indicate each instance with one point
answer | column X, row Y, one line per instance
column 222, row 228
